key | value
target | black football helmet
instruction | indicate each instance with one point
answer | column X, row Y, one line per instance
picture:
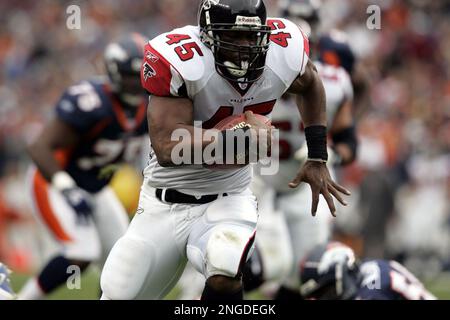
column 330, row 272
column 222, row 23
column 123, row 60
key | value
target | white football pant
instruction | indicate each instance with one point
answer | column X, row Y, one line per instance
column 148, row 260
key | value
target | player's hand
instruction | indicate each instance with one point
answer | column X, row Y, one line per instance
column 317, row 176
column 260, row 131
column 80, row 201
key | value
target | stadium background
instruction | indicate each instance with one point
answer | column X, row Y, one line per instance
column 401, row 181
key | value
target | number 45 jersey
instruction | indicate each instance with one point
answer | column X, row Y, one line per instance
column 178, row 64
column 108, row 135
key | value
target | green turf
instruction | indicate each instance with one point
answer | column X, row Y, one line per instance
column 90, row 288
column 440, row 286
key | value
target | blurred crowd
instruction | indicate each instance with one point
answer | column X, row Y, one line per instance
column 402, row 176
column 401, row 180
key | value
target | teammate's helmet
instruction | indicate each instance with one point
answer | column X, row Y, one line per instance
column 330, row 272
column 123, row 60
column 334, row 48
column 223, row 25
column 305, row 13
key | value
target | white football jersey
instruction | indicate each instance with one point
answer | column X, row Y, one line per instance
column 286, row 118
column 178, row 64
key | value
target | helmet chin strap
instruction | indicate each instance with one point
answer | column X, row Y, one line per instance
column 131, row 99
column 235, row 70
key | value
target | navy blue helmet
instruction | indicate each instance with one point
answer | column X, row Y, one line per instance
column 334, row 48
column 330, row 272
column 123, row 60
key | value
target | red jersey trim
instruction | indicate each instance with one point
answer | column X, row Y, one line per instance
column 156, row 74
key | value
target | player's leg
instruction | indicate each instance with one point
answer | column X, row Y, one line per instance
column 272, row 258
column 221, row 242
column 191, row 284
column 149, row 259
column 111, row 220
column 78, row 239
column 305, row 232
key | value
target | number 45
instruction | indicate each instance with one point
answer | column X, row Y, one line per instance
column 186, row 51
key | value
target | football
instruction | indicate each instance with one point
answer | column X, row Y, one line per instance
column 238, row 121
column 232, row 123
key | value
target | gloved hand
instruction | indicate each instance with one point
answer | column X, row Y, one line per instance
column 76, row 197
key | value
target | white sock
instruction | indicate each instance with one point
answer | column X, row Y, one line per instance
column 31, row 291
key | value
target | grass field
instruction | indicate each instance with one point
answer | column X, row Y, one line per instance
column 90, row 287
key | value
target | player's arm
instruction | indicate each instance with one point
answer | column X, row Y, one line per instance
column 166, row 115
column 311, row 102
column 63, row 133
column 310, row 96
column 56, row 135
column 170, row 113
column 343, row 133
column 361, row 84
column 169, row 109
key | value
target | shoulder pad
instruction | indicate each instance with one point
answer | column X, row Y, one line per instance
column 289, row 49
column 173, row 60
column 81, row 105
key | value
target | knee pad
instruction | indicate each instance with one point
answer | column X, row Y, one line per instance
column 126, row 269
column 227, row 251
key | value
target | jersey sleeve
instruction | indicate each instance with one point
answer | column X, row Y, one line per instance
column 77, row 106
column 289, row 50
column 159, row 77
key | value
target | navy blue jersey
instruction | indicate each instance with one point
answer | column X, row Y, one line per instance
column 389, row 280
column 108, row 134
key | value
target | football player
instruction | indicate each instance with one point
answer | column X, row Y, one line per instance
column 332, row 47
column 332, row 272
column 235, row 61
column 98, row 124
column 286, row 232
column 6, row 293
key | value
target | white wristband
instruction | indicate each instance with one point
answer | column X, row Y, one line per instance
column 316, row 160
column 62, row 180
